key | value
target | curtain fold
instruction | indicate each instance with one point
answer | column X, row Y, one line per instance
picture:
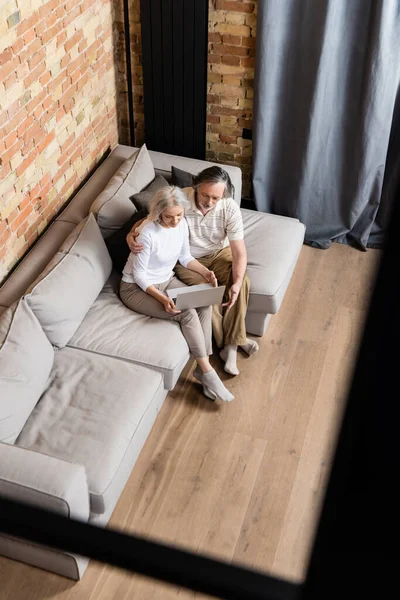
column 326, row 79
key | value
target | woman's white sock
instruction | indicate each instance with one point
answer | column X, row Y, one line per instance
column 213, row 383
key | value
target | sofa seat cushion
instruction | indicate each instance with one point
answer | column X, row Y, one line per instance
column 26, row 359
column 113, row 329
column 273, row 245
column 89, row 415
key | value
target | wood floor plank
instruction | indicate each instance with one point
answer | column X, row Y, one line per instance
column 292, row 551
column 265, row 516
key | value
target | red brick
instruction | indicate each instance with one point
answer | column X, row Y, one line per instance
column 27, row 148
column 21, row 231
column 214, row 58
column 17, row 46
column 71, row 16
column 229, row 112
column 44, row 80
column 65, row 60
column 35, row 74
column 45, row 180
column 23, row 71
column 51, row 33
column 9, row 67
column 228, row 139
column 233, row 40
column 247, row 62
column 32, row 133
column 249, row 42
column 11, row 79
column 20, row 219
column 61, row 38
column 30, row 107
column 60, row 12
column 47, row 140
column 231, row 60
column 12, row 216
column 27, row 24
column 47, row 102
column 25, row 125
column 73, row 40
column 60, row 114
column 29, row 36
column 238, row 6
column 213, row 99
column 233, row 50
column 5, row 56
column 7, row 156
column 48, row 8
column 51, row 19
column 10, row 139
column 25, row 164
column 212, row 119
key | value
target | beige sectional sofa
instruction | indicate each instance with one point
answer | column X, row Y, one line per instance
column 82, row 377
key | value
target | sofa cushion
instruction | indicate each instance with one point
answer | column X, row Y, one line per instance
column 90, row 415
column 142, row 199
column 182, row 179
column 113, row 206
column 64, row 292
column 273, row 245
column 112, row 329
column 26, row 358
column 116, row 243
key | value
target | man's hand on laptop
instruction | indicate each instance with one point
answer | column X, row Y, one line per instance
column 233, row 295
column 134, row 246
column 209, row 276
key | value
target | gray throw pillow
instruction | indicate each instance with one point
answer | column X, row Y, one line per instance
column 66, row 289
column 142, row 199
column 182, row 179
column 26, row 359
column 113, row 206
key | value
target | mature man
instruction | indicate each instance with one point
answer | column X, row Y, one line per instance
column 217, row 241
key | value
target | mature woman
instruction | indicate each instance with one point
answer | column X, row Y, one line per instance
column 146, row 277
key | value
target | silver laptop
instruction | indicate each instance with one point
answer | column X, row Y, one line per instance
column 195, row 296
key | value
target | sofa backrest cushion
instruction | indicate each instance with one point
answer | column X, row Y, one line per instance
column 66, row 289
column 26, row 359
column 113, row 206
column 142, row 199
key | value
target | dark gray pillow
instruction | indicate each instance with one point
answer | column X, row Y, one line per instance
column 182, row 179
column 116, row 244
column 142, row 199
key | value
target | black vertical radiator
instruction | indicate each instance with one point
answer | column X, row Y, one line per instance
column 174, row 58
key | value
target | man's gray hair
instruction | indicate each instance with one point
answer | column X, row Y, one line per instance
column 167, row 196
column 215, row 175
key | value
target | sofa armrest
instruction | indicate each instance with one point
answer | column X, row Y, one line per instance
column 44, row 481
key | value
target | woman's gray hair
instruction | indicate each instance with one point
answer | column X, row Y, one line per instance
column 215, row 175
column 167, row 196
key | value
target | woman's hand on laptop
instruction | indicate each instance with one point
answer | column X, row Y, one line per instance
column 209, row 276
column 134, row 246
column 170, row 306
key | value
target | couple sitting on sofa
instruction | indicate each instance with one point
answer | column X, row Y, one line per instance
column 214, row 225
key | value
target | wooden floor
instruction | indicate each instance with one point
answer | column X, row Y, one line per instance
column 241, row 481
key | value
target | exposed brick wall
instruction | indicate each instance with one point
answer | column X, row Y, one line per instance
column 137, row 74
column 232, row 36
column 57, row 110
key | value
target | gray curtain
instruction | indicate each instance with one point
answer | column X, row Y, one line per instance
column 326, row 79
